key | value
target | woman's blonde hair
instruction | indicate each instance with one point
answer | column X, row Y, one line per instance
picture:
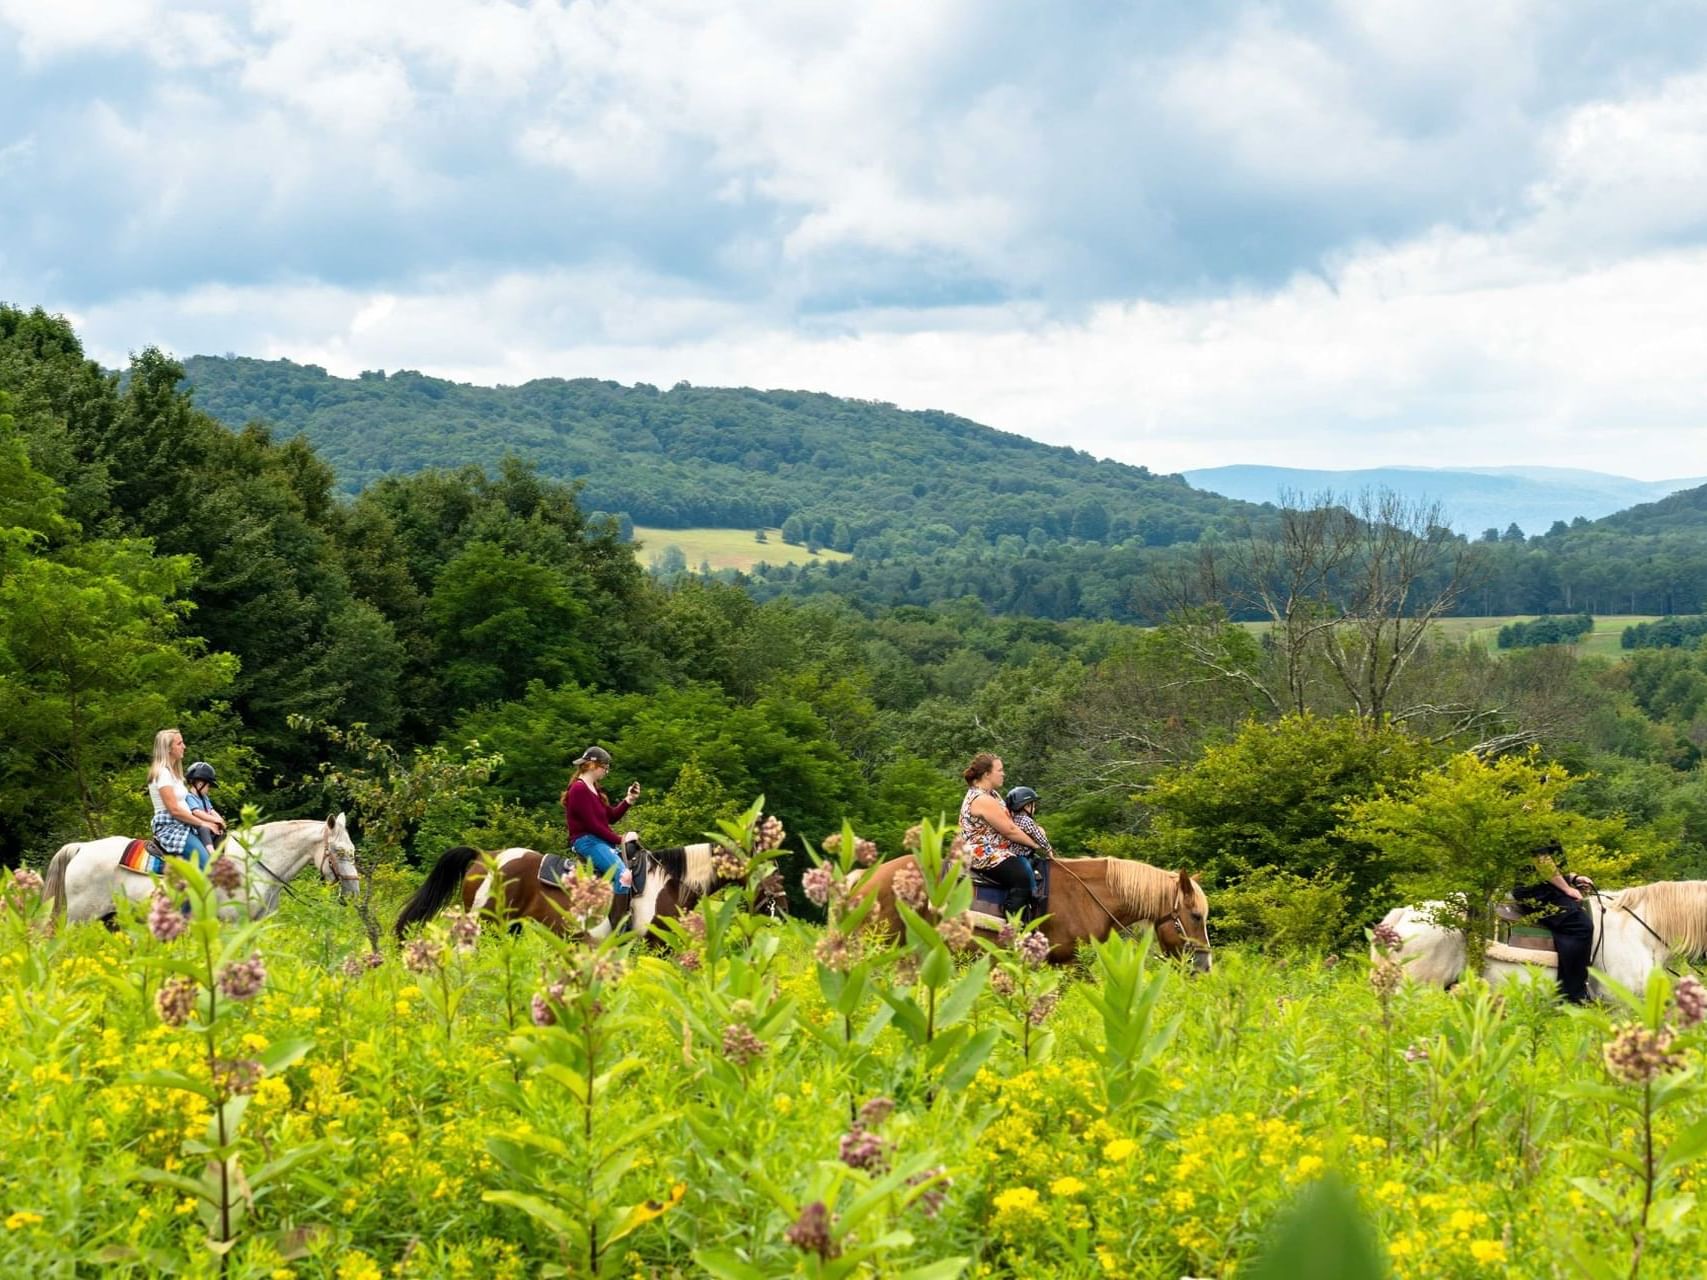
column 163, row 753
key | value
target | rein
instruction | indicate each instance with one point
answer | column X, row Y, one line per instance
column 1125, row 929
column 323, row 861
column 1600, row 934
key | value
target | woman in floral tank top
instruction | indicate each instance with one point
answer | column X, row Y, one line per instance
column 991, row 836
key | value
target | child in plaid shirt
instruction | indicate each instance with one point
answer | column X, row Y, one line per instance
column 1022, row 805
column 1028, row 824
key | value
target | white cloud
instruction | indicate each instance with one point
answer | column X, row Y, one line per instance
column 1332, row 233
column 1433, row 353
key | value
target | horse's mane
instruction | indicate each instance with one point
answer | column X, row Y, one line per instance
column 1674, row 909
column 1149, row 891
column 697, row 875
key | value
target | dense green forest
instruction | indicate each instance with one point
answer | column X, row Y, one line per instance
column 935, row 508
column 434, row 649
column 852, row 475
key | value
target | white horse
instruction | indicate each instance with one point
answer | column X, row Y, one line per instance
column 84, row 878
column 1637, row 930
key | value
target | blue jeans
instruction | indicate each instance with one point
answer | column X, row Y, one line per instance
column 194, row 848
column 604, row 858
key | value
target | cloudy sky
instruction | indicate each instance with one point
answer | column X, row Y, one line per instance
column 1185, row 234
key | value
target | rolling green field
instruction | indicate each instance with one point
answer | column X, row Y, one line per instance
column 724, row 548
column 1602, row 642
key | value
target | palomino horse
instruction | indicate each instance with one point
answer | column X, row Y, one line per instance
column 1090, row 898
column 676, row 878
column 1636, row 931
column 84, row 877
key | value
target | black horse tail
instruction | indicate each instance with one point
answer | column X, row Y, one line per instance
column 441, row 884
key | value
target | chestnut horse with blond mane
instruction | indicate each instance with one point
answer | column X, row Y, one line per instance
column 1089, row 899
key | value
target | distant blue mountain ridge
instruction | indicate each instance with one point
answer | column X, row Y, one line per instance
column 1471, row 498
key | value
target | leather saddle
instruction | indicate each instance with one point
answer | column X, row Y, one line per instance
column 1517, row 939
column 988, row 895
column 554, row 866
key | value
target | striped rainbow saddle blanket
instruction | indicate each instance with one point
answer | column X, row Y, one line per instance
column 144, row 857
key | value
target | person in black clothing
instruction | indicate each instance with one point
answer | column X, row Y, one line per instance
column 1556, row 903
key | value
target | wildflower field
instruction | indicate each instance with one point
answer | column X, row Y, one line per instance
column 765, row 1097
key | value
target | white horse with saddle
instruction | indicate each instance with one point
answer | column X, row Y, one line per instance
column 1636, row 931
column 85, row 878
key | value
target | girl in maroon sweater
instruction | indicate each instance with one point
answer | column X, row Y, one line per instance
column 589, row 816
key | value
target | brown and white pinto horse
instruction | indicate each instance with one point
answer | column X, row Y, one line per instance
column 675, row 880
column 1090, row 898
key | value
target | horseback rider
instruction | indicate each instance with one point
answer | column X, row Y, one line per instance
column 199, row 779
column 1022, row 806
column 178, row 829
column 588, row 816
column 993, row 838
column 1558, row 898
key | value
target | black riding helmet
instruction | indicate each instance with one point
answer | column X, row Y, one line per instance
column 1019, row 797
column 201, row 771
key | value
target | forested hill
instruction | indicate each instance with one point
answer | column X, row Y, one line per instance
column 1684, row 512
column 850, row 471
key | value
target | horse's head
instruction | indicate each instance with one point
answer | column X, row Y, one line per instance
column 1186, row 931
column 337, row 858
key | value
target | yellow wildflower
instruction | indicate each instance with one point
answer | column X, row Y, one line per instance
column 1308, row 1167
column 1119, row 1149
column 1065, row 1187
column 1464, row 1221
column 1016, row 1202
column 23, row 1218
column 358, row 1266
column 1489, row 1253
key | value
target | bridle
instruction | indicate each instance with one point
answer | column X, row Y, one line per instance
column 1188, row 944
column 1600, row 933
column 324, row 862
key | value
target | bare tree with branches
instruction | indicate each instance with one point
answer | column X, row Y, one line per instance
column 1349, row 588
column 1401, row 572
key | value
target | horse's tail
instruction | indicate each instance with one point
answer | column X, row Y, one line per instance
column 436, row 890
column 53, row 888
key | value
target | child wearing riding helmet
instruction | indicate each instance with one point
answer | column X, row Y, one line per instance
column 589, row 815
column 1022, row 806
column 177, row 828
column 199, row 779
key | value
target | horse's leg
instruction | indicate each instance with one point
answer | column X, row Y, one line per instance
column 619, row 908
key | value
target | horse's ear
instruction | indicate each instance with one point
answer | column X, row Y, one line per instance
column 342, row 825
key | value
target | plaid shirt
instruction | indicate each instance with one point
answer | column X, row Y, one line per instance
column 1028, row 824
column 171, row 834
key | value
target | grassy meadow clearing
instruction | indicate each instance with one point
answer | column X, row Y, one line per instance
column 1602, row 642
column 726, row 548
column 766, row 1098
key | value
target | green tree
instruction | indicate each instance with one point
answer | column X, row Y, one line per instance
column 1090, row 521
column 1466, row 833
column 692, row 806
column 1266, row 806
column 502, row 620
column 93, row 660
